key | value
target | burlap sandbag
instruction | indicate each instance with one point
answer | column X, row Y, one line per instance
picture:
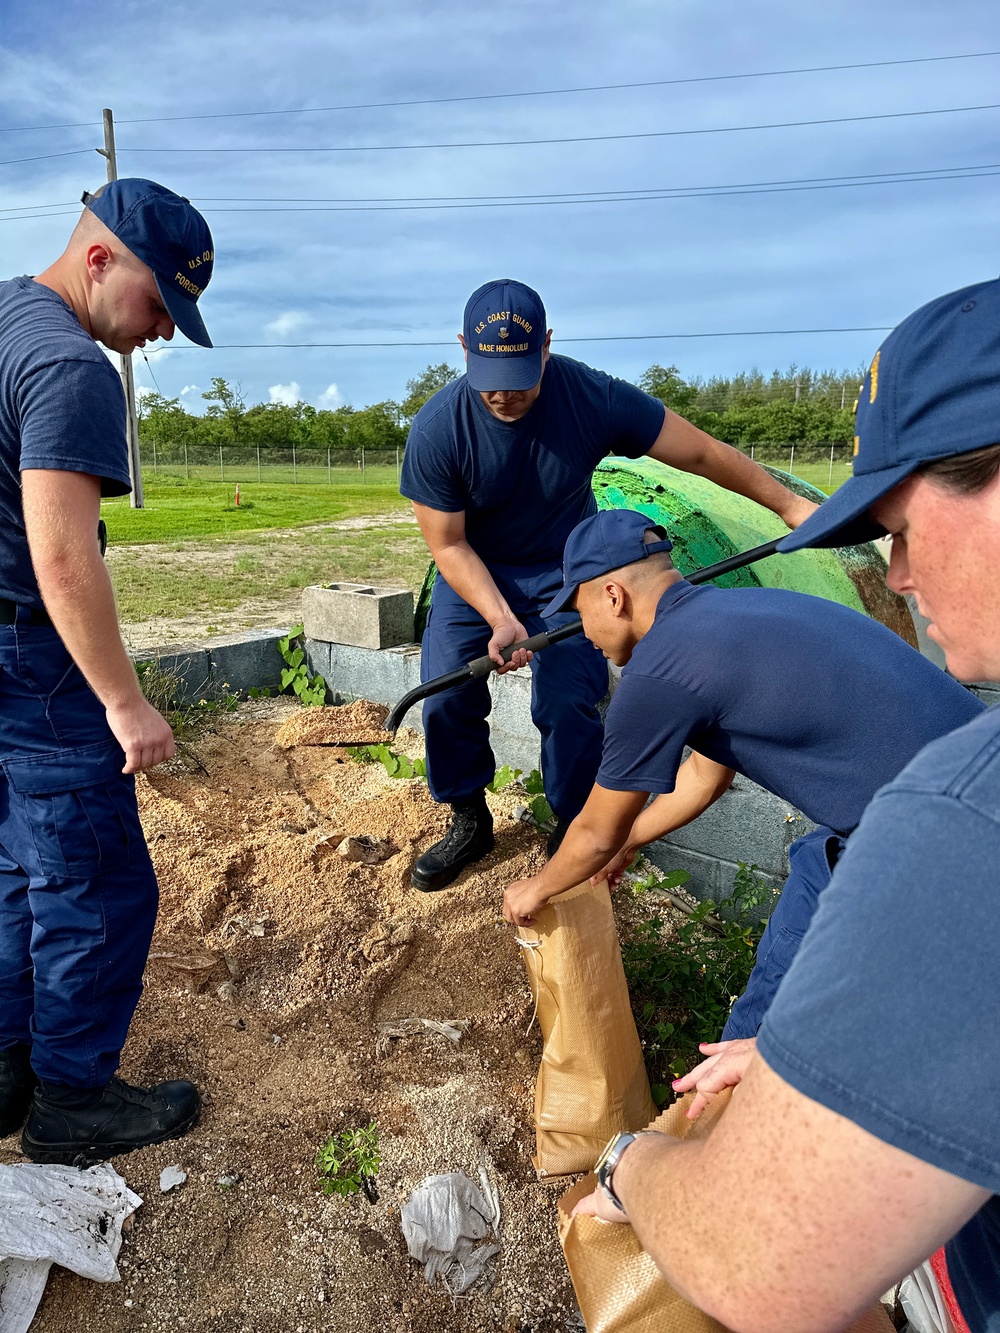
column 619, row 1288
column 592, row 1082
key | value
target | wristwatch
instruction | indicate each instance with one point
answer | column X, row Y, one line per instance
column 610, row 1158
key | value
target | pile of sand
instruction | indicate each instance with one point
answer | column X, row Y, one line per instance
column 278, row 962
column 358, row 723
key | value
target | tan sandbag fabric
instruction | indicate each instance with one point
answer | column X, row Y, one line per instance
column 592, row 1083
column 618, row 1287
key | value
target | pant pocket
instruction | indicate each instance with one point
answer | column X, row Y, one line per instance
column 77, row 807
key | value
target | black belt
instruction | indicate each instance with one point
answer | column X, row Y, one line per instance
column 8, row 614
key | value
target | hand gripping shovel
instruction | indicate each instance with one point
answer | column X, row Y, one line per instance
column 482, row 666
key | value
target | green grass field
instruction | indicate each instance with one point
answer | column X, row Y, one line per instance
column 176, row 509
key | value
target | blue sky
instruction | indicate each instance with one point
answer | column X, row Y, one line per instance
column 784, row 260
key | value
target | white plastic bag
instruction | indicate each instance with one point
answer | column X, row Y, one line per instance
column 62, row 1215
column 923, row 1305
column 442, row 1220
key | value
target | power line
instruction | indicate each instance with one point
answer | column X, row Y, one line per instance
column 928, row 175
column 45, row 157
column 644, row 198
column 585, row 138
column 612, row 338
column 537, row 92
column 464, row 198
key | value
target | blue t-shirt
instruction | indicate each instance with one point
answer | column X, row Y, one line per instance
column 525, row 485
column 61, row 407
column 888, row 1014
column 814, row 701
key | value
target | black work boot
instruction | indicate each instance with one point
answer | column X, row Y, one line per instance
column 17, row 1083
column 555, row 838
column 77, row 1126
column 469, row 838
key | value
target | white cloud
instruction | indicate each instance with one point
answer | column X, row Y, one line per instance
column 288, row 323
column 143, row 391
column 289, row 394
column 330, row 398
column 190, row 388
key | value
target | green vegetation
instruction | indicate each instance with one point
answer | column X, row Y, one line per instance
column 161, row 686
column 309, row 690
column 794, row 405
column 177, row 509
column 349, row 1161
column 396, row 765
column 217, row 576
column 683, row 980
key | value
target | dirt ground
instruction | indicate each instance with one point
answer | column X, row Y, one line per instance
column 275, row 963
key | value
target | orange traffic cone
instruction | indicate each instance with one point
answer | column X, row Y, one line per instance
column 237, row 501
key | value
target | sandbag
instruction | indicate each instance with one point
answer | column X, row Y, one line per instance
column 617, row 1285
column 592, row 1082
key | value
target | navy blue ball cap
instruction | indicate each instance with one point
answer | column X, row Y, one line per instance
column 170, row 236
column 504, row 331
column 605, row 541
column 932, row 391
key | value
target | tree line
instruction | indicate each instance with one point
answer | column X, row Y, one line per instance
column 746, row 409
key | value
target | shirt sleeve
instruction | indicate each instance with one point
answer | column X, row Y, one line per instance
column 636, row 420
column 430, row 473
column 72, row 419
column 888, row 1013
column 649, row 722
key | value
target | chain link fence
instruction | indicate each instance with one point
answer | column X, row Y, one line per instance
column 269, row 462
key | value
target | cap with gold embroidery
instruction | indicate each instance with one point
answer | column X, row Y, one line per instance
column 932, row 391
column 504, row 331
column 170, row 236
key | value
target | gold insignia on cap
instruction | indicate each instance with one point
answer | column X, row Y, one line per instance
column 873, row 390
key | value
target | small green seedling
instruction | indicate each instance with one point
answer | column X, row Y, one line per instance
column 310, row 691
column 504, row 777
column 349, row 1161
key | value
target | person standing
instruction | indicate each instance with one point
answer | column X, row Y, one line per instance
column 863, row 1141
column 498, row 466
column 78, row 894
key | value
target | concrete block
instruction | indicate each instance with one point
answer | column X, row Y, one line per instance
column 241, row 662
column 353, row 613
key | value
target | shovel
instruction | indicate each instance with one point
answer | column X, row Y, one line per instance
column 482, row 666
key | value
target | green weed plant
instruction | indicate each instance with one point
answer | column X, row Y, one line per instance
column 349, row 1161
column 683, row 980
column 309, row 690
column 396, row 765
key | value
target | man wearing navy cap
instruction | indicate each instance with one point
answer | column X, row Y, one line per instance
column 498, row 466
column 864, row 1141
column 78, row 895
column 751, row 679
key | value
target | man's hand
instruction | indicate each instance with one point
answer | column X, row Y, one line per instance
column 614, row 871
column 522, row 899
column 599, row 1205
column 726, row 1064
column 142, row 733
column 506, row 632
column 797, row 511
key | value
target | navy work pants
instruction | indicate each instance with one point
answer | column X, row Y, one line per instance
column 811, row 861
column 78, row 894
column 568, row 682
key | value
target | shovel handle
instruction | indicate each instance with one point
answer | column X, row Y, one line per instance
column 482, row 666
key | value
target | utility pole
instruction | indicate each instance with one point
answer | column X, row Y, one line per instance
column 128, row 379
